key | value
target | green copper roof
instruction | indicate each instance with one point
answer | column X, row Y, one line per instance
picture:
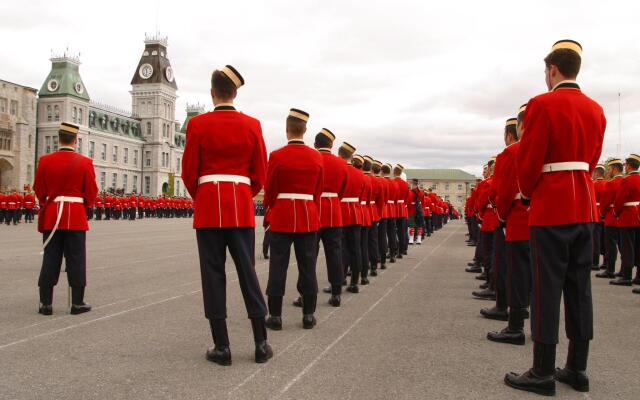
column 439, row 174
column 64, row 79
column 108, row 121
column 192, row 111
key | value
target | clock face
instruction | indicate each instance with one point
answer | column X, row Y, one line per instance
column 169, row 74
column 53, row 85
column 146, row 70
column 79, row 88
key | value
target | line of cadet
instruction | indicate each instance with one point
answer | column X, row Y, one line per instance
column 112, row 207
column 356, row 206
column 14, row 206
column 541, row 218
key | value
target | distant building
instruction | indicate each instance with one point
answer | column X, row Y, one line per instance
column 452, row 185
column 137, row 151
column 17, row 135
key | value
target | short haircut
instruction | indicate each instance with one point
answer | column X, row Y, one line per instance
column 567, row 61
column 344, row 153
column 634, row 163
column 296, row 126
column 386, row 169
column 222, row 86
column 376, row 168
column 357, row 163
column 490, row 163
column 66, row 137
column 367, row 165
column 322, row 142
column 511, row 131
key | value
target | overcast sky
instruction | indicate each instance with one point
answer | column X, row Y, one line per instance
column 426, row 85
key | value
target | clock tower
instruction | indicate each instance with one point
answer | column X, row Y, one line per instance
column 153, row 97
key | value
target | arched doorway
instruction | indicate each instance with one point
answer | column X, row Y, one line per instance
column 165, row 188
column 6, row 172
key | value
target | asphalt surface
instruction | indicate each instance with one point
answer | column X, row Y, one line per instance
column 414, row 333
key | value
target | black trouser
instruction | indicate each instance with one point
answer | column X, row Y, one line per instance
column 9, row 216
column 374, row 255
column 611, row 243
column 352, row 250
column 364, row 250
column 403, row 234
column 71, row 245
column 477, row 256
column 29, row 215
column 266, row 242
column 382, row 241
column 332, row 244
column 487, row 254
column 392, row 237
column 140, row 212
column 99, row 213
column 629, row 250
column 518, row 274
column 89, row 213
column 429, row 224
column 306, row 249
column 561, row 259
column 499, row 267
column 212, row 250
column 132, row 213
column 107, row 213
column 598, row 233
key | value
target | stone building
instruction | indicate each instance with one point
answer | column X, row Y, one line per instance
column 452, row 185
column 137, row 151
column 17, row 135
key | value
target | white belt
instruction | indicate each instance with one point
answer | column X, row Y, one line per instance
column 329, row 194
column 391, row 202
column 363, row 203
column 60, row 200
column 566, row 166
column 11, row 202
column 632, row 204
column 400, row 201
column 350, row 200
column 489, row 206
column 224, row 178
column 295, row 196
column 372, row 202
column 598, row 204
column 28, row 202
column 518, row 196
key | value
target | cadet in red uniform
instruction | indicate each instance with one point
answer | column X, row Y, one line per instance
column 560, row 147
column 392, row 210
column 599, row 184
column 402, row 197
column 376, row 202
column 29, row 204
column 292, row 196
column 626, row 207
column 611, row 232
column 514, row 218
column 383, row 210
column 415, row 209
column 65, row 183
column 223, row 168
column 365, row 210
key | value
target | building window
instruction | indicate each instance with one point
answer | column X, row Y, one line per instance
column 49, row 114
column 135, row 157
column 80, row 145
column 147, row 156
column 126, row 155
column 164, row 130
column 446, row 186
column 92, row 149
column 115, row 154
column 47, row 141
column 135, row 184
column 3, row 105
column 459, row 186
column 148, row 128
column 114, row 180
column 446, row 198
column 147, row 184
column 103, row 178
column 459, row 199
column 435, row 186
column 103, row 154
column 55, row 143
column 124, row 182
column 74, row 114
column 80, row 116
column 56, row 113
column 5, row 140
column 14, row 107
column 178, row 164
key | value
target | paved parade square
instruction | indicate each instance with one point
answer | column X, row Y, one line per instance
column 413, row 333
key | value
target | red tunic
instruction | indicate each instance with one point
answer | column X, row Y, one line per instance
column 392, row 196
column 64, row 173
column 376, row 201
column 411, row 204
column 335, row 181
column 365, row 197
column 294, row 169
column 29, row 201
column 224, row 143
column 383, row 208
column 510, row 209
column 560, row 126
column 599, row 186
column 628, row 192
column 608, row 198
column 403, row 198
column 351, row 214
column 485, row 209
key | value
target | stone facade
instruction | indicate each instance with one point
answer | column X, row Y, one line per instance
column 17, row 135
column 451, row 184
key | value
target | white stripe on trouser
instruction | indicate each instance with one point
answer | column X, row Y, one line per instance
column 61, row 200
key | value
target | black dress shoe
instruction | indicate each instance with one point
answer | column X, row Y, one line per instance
column 595, row 267
column 620, row 282
column 348, row 273
column 530, row 382
column 45, row 309
column 482, row 277
column 507, row 336
column 525, row 314
column 373, row 272
column 220, row 356
column 484, row 285
column 618, row 274
column 392, row 260
column 263, row 352
column 636, row 291
column 364, row 281
column 605, row 274
column 495, row 313
column 80, row 308
column 405, row 253
column 334, row 300
column 265, row 256
column 353, row 289
column 472, row 264
column 274, row 323
column 636, row 280
column 298, row 302
column 474, row 270
column 576, row 379
column 327, row 289
column 382, row 266
column 486, row 294
column 308, row 321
